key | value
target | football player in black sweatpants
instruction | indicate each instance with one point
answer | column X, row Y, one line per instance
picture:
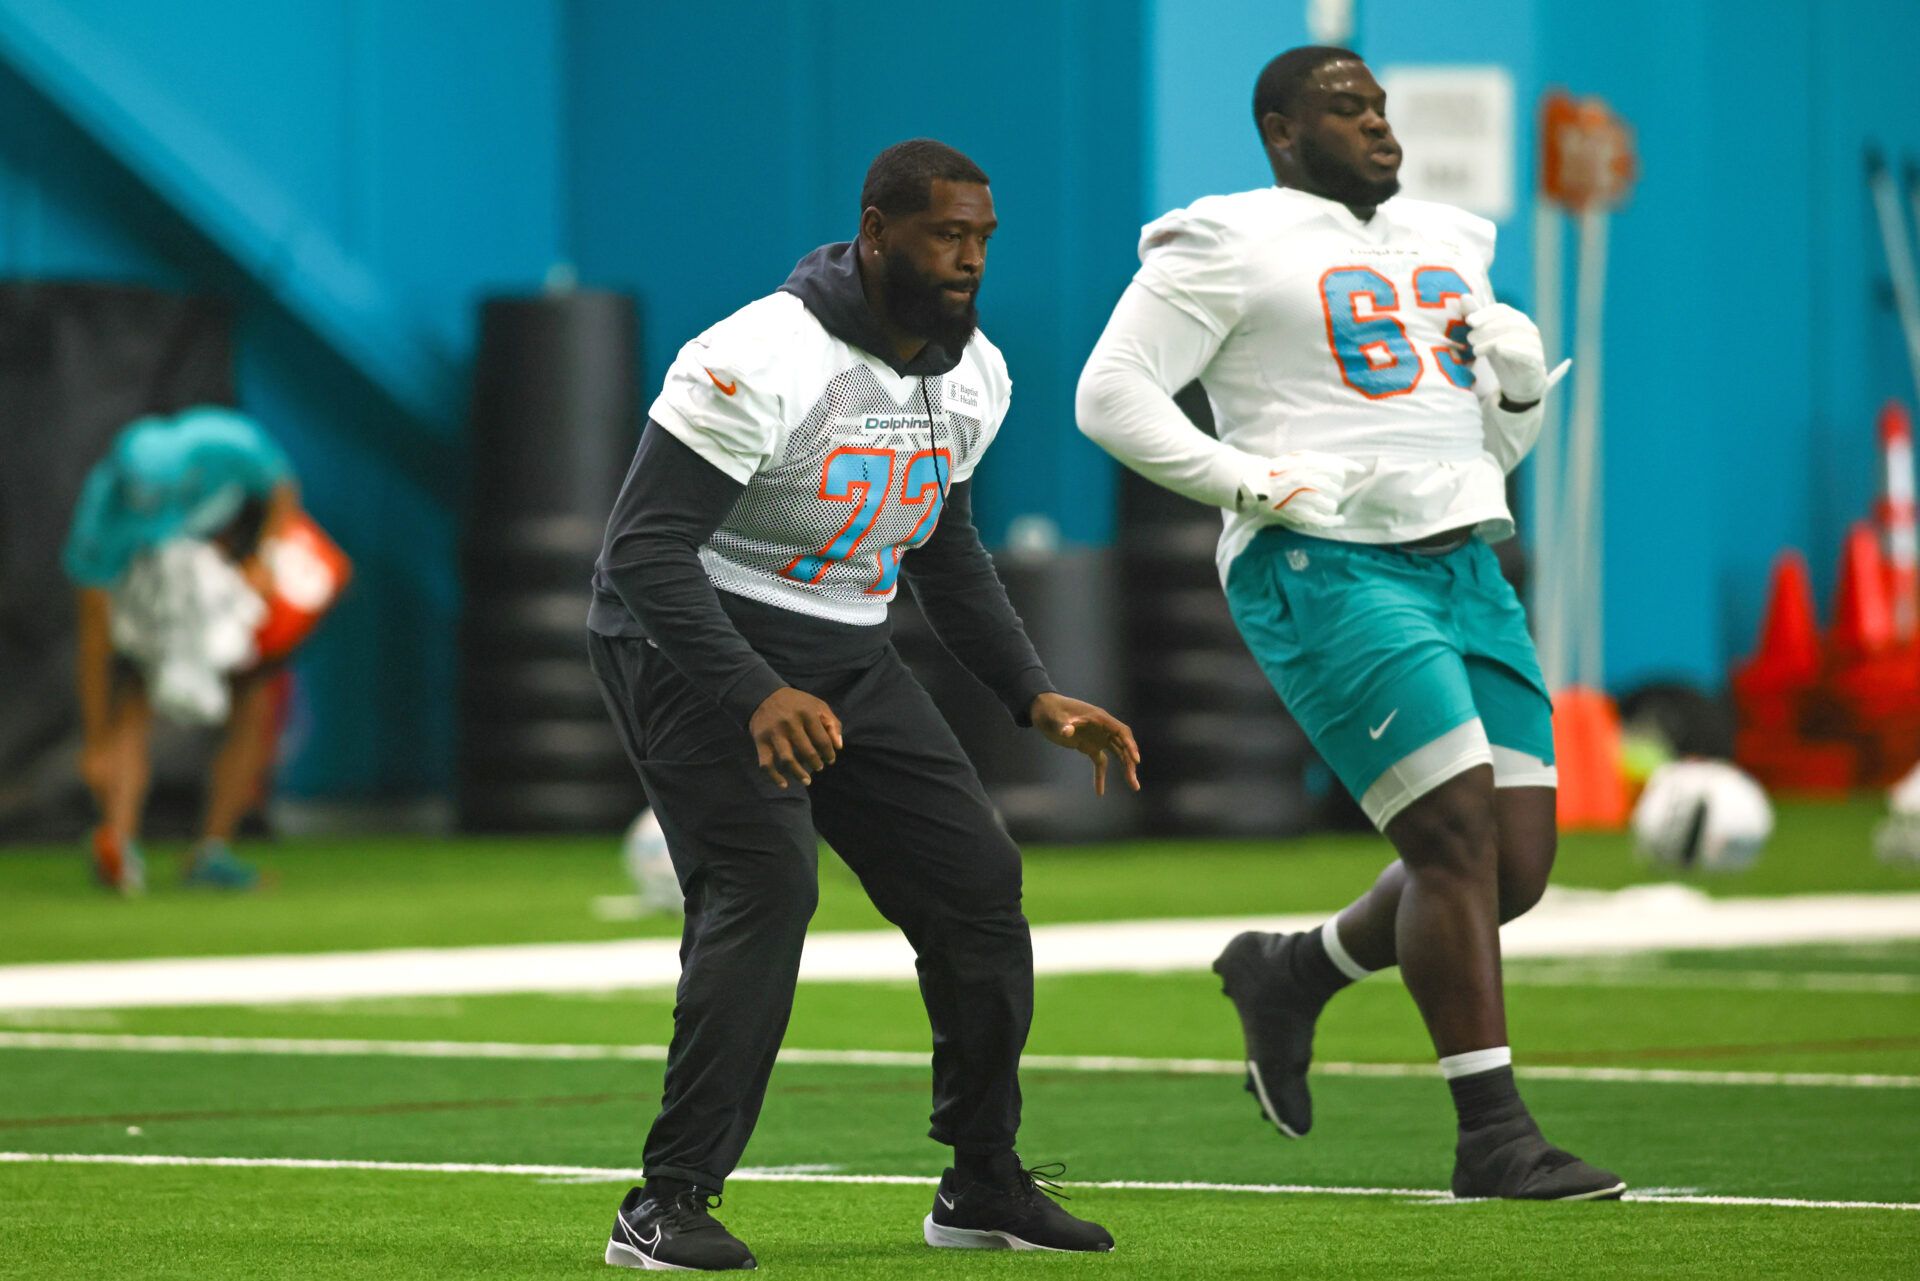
column 805, row 454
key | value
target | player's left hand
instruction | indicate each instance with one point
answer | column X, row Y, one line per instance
column 1510, row 342
column 1087, row 729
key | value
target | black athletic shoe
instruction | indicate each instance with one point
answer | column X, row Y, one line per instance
column 1514, row 1161
column 674, row 1234
column 987, row 1216
column 1277, row 1017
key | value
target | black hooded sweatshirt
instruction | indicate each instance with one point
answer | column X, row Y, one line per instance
column 648, row 581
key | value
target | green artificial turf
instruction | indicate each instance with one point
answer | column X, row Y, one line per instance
column 1369, row 1132
column 334, row 895
column 188, row 1224
column 1832, row 1008
column 1721, row 1028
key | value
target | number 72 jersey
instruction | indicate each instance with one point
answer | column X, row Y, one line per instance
column 846, row 462
column 1334, row 334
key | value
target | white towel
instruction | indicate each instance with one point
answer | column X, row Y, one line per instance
column 186, row 616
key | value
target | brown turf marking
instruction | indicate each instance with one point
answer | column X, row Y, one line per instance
column 1594, row 1058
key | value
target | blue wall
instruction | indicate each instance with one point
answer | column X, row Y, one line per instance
column 357, row 173
column 700, row 192
column 1750, row 339
column 1748, row 345
column 407, row 157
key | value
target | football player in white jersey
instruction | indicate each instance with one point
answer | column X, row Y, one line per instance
column 1370, row 397
column 808, row 455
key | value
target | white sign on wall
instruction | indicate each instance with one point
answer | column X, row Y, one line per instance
column 1457, row 127
column 1330, row 21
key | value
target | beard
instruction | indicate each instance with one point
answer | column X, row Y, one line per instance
column 917, row 305
column 1336, row 181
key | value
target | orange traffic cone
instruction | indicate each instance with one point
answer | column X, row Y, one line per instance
column 1586, row 747
column 1787, row 658
column 1862, row 610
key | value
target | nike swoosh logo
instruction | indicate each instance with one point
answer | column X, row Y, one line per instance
column 944, row 1199
column 1374, row 732
column 626, row 1230
column 726, row 389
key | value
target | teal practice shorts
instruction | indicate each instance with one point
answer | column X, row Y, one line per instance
column 1404, row 669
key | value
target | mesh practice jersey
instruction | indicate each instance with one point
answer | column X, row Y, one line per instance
column 1334, row 335
column 845, row 461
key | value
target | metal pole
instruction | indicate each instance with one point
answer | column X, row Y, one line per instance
column 1581, row 516
column 1594, row 321
column 1893, row 238
column 1549, row 552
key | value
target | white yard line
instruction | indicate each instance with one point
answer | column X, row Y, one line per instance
column 617, row 1175
column 1095, row 1063
column 1567, row 923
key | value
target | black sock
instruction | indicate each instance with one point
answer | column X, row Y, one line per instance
column 1486, row 1098
column 998, row 1168
column 664, row 1189
column 1311, row 967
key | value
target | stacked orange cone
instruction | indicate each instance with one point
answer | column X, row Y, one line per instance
column 1587, row 753
column 1787, row 663
column 1874, row 676
column 1777, row 690
column 1826, row 718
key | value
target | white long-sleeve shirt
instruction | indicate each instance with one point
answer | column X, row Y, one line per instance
column 1310, row 329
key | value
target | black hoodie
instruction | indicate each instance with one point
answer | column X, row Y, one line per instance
column 649, row 581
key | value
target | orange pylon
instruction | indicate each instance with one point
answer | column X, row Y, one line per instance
column 1862, row 609
column 1586, row 747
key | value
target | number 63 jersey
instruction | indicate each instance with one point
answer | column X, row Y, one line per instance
column 846, row 462
column 1339, row 335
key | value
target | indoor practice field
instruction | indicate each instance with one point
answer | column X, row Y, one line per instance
column 1764, row 1101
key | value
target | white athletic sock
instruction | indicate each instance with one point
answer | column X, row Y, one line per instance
column 1341, row 958
column 1476, row 1061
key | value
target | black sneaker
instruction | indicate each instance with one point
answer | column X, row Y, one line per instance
column 674, row 1234
column 1023, row 1216
column 1276, row 1017
column 1512, row 1160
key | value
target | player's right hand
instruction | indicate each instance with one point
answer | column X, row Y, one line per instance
column 1302, row 489
column 795, row 734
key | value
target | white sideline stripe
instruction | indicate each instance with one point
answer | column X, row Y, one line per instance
column 1567, row 923
column 617, row 1175
column 342, row 1047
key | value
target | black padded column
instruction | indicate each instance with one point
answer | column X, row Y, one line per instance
column 554, row 421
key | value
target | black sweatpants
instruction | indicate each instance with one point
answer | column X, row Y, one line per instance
column 905, row 810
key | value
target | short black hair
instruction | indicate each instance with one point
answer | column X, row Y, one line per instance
column 900, row 179
column 1281, row 79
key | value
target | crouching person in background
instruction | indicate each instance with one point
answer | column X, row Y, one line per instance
column 197, row 573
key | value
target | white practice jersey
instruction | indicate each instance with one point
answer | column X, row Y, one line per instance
column 846, row 463
column 1334, row 335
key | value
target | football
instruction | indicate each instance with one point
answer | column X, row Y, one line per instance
column 1702, row 815
column 644, row 850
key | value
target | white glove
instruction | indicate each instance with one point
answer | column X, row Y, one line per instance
column 1302, row 489
column 1510, row 342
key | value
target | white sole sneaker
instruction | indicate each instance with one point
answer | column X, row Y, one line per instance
column 946, row 1238
column 625, row 1256
column 1599, row 1194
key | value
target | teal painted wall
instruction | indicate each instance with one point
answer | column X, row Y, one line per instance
column 699, row 189
column 450, row 149
column 423, row 139
column 1751, row 337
